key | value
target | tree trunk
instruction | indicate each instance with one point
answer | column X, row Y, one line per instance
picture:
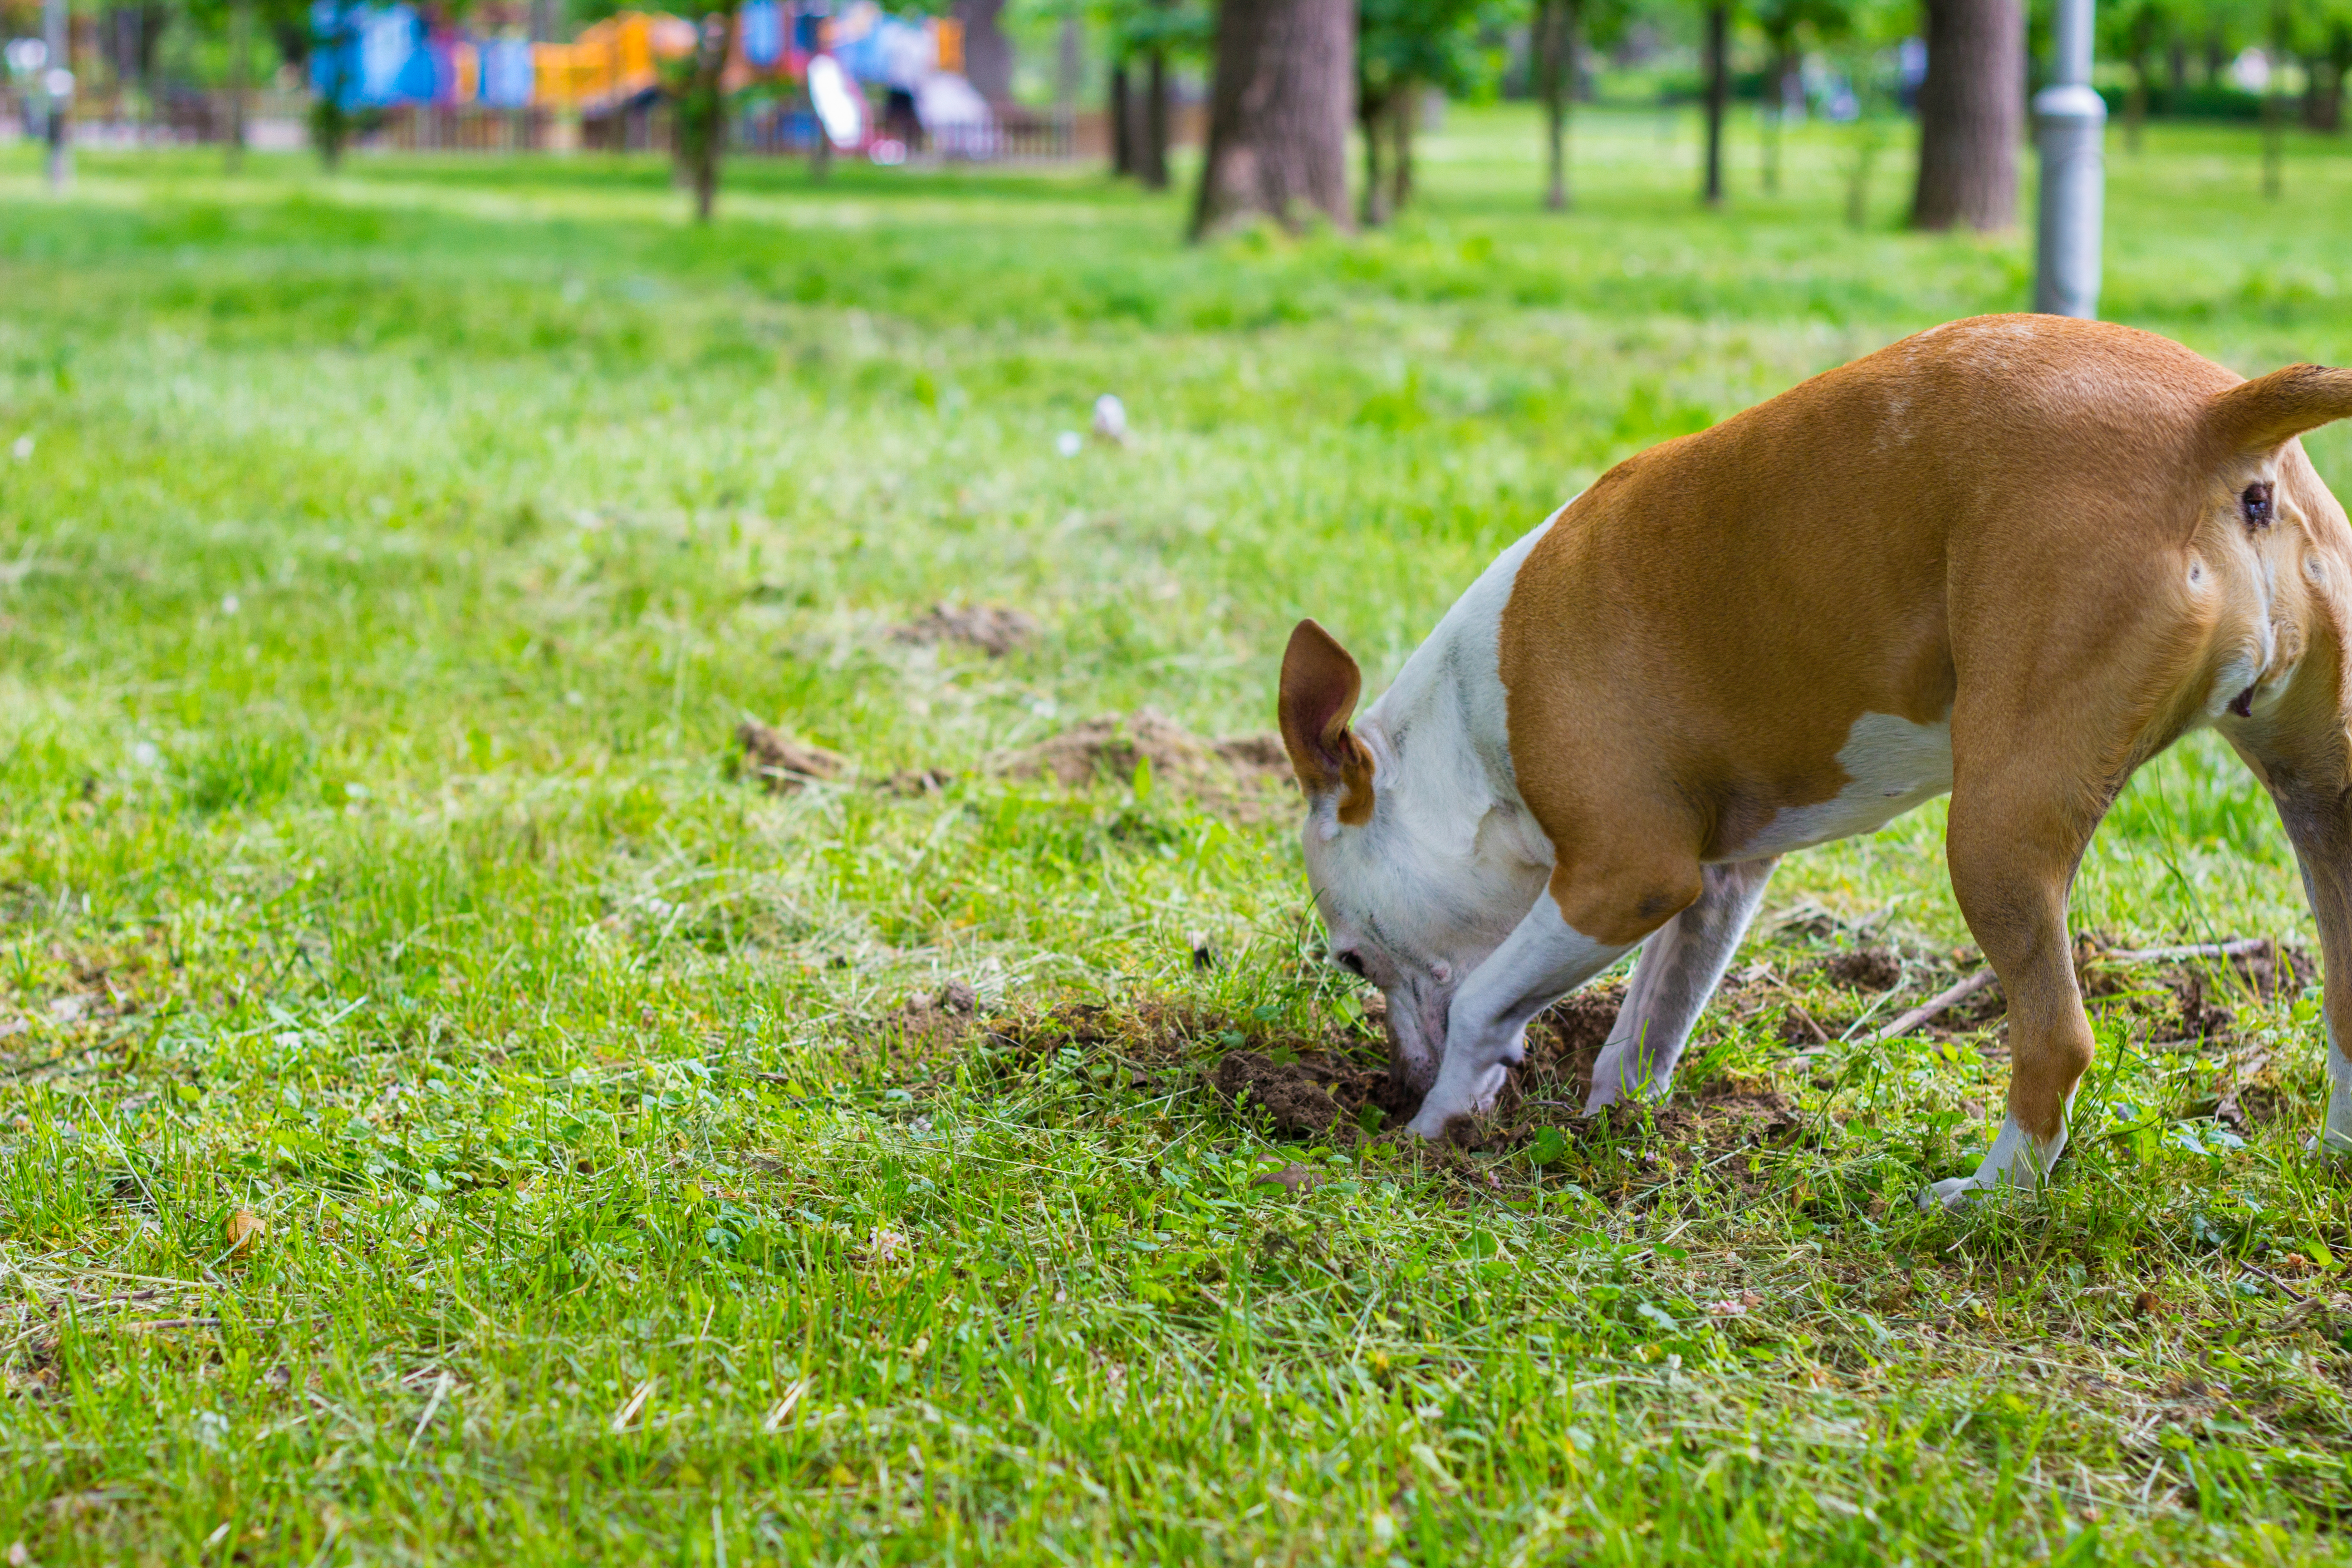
column 1279, row 113
column 240, row 50
column 699, row 111
column 1404, row 111
column 1971, row 110
column 1123, row 121
column 1776, row 110
column 1719, row 95
column 2136, row 105
column 1151, row 154
column 2175, row 65
column 987, row 52
column 1369, row 109
column 1556, row 31
column 2275, row 106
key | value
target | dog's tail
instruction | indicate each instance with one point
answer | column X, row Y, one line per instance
column 2263, row 414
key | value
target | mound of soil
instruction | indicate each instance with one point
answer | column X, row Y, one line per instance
column 994, row 629
column 782, row 764
column 1106, row 749
column 1872, row 969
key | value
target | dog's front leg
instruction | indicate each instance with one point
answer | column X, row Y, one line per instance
column 1542, row 960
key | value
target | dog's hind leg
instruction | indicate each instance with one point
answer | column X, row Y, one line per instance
column 1681, row 964
column 2016, row 835
column 2301, row 752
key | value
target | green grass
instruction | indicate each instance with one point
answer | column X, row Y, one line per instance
column 390, row 565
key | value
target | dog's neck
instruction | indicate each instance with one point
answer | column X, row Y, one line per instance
column 1440, row 734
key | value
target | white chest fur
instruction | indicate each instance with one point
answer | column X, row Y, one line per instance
column 1891, row 765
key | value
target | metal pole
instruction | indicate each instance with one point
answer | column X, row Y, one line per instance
column 56, row 84
column 2070, row 123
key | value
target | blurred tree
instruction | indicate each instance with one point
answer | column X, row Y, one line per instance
column 1560, row 30
column 1783, row 23
column 1402, row 48
column 1279, row 113
column 699, row 107
column 288, row 23
column 1972, row 114
column 1717, row 66
column 1151, row 35
column 2134, row 33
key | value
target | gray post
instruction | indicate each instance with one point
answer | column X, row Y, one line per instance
column 57, row 91
column 2070, row 123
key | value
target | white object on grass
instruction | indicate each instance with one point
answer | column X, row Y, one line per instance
column 1069, row 443
column 1111, row 418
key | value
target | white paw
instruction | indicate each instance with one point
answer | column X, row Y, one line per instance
column 1950, row 1193
column 1428, row 1129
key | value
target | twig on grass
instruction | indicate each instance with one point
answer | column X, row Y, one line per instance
column 440, row 1392
column 1934, row 1005
column 2240, row 948
column 622, row 1418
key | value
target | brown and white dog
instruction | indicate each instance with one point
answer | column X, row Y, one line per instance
column 2011, row 558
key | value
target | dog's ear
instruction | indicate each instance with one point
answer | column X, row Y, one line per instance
column 1320, row 684
column 2257, row 417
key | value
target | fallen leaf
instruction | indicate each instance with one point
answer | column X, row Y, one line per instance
column 1292, row 1179
column 245, row 1230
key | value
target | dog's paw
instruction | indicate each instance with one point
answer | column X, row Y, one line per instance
column 1430, row 1125
column 1952, row 1194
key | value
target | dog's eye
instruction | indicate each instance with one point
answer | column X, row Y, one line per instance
column 1350, row 960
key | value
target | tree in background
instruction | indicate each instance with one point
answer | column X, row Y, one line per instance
column 1972, row 114
column 1279, row 113
column 2135, row 34
column 1717, row 68
column 1402, row 48
column 1783, row 24
column 1152, row 34
column 288, row 23
column 1560, row 30
column 699, row 108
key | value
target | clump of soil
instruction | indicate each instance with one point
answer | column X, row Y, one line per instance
column 1289, row 1093
column 1107, row 750
column 784, row 765
column 1872, row 969
column 943, row 1015
column 994, row 629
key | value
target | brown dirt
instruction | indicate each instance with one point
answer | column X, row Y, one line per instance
column 1872, row 969
column 994, row 629
column 1229, row 773
column 784, row 765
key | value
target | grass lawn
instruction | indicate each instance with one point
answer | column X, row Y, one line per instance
column 449, row 1113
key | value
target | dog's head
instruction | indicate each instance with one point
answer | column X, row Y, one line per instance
column 1417, row 875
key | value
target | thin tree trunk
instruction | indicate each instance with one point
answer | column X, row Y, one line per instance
column 1404, row 108
column 2275, row 108
column 240, row 50
column 698, row 112
column 1776, row 111
column 1369, row 109
column 1719, row 95
column 1152, row 163
column 2136, row 105
column 1278, row 120
column 1556, row 64
column 1971, row 110
column 1123, row 121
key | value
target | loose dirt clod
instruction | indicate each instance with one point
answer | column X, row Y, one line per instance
column 994, row 629
column 782, row 764
column 1107, row 750
column 1865, row 969
column 1286, row 1091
